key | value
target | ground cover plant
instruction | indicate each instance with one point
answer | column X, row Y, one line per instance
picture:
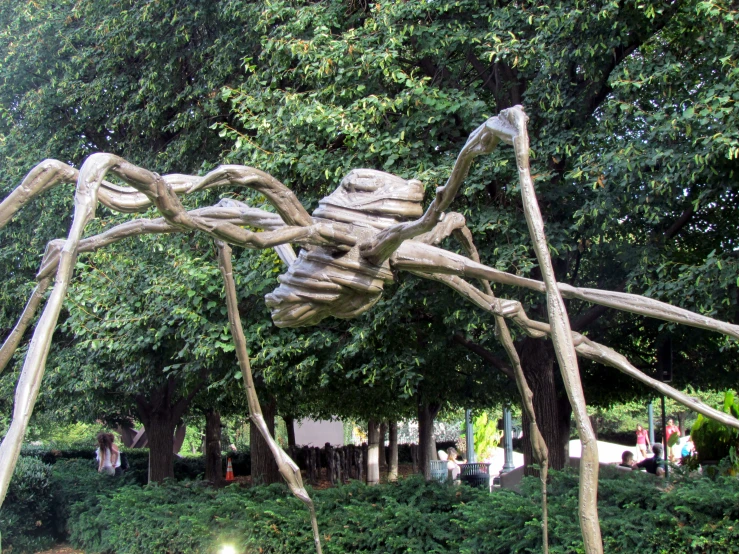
column 99, row 514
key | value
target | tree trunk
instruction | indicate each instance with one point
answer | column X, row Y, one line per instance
column 213, row 467
column 179, row 437
column 290, row 425
column 392, row 474
column 383, row 452
column 160, row 413
column 373, row 452
column 553, row 410
column 426, row 442
column 264, row 470
column 160, row 432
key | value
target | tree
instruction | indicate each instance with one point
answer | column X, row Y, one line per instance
column 400, row 87
column 145, row 343
column 84, row 77
column 628, row 183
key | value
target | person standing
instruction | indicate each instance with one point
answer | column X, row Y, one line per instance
column 673, row 451
column 452, row 465
column 688, row 449
column 109, row 459
column 642, row 442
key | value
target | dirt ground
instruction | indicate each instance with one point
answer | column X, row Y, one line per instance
column 61, row 549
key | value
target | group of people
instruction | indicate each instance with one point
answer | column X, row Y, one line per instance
column 108, row 455
column 656, row 463
column 674, row 452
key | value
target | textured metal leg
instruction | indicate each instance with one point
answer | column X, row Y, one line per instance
column 454, row 224
column 288, row 469
column 33, row 368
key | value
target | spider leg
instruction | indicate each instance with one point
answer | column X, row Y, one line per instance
column 281, row 197
column 14, row 338
column 35, row 362
column 591, row 350
column 89, row 181
column 42, row 177
column 288, row 469
column 236, row 213
column 516, row 119
column 414, row 255
column 481, row 141
column 50, row 173
column 454, row 224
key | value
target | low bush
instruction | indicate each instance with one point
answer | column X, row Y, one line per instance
column 77, row 482
column 51, row 455
column 26, row 521
column 185, row 467
column 411, row 517
column 638, row 514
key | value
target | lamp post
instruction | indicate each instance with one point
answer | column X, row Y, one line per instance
column 469, row 436
column 650, row 416
column 664, row 363
column 507, row 441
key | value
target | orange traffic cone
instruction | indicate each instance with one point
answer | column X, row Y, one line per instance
column 229, row 471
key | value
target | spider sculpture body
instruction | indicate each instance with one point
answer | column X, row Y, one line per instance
column 372, row 225
column 324, row 281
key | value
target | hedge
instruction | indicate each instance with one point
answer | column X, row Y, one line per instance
column 100, row 514
column 411, row 517
column 26, row 520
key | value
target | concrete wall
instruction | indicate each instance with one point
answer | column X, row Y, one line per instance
column 317, row 433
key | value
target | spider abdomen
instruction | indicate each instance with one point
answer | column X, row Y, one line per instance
column 322, row 281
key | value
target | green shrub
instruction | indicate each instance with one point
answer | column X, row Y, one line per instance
column 411, row 517
column 185, row 467
column 77, row 481
column 692, row 516
column 98, row 513
column 716, row 441
column 51, row 455
column 26, row 522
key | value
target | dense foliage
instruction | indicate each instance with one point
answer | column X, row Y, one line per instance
column 26, row 520
column 100, row 514
column 716, row 441
column 633, row 127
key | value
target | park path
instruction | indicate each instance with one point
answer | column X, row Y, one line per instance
column 608, row 453
column 61, row 549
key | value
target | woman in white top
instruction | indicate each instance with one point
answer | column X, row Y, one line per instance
column 109, row 459
column 452, row 464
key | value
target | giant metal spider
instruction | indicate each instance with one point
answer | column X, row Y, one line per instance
column 350, row 246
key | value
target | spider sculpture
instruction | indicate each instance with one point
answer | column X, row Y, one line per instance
column 372, row 225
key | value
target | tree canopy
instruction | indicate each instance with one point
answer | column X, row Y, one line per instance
column 634, row 135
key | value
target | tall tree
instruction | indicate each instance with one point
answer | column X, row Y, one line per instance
column 138, row 80
column 632, row 126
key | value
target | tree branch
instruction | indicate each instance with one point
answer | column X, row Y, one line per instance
column 587, row 317
column 680, row 222
column 181, row 405
column 144, row 410
column 485, row 354
column 592, row 314
column 600, row 89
